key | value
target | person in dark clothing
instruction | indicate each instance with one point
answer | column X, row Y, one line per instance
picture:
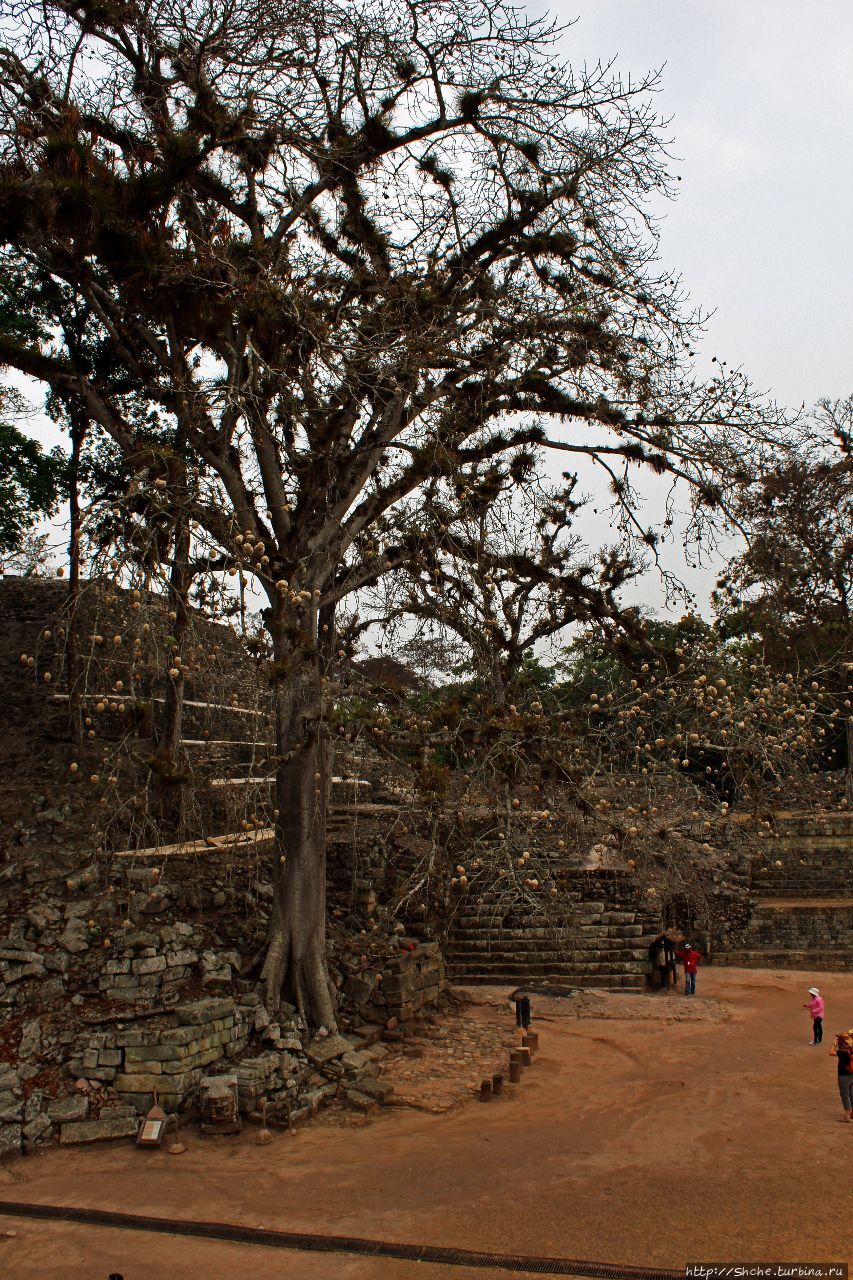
column 670, row 947
column 843, row 1051
column 659, row 961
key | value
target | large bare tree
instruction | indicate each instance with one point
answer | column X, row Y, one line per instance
column 499, row 572
column 349, row 249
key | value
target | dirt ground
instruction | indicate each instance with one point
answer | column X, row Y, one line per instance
column 650, row 1130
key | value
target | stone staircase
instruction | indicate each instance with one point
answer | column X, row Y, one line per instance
column 802, row 908
column 597, row 937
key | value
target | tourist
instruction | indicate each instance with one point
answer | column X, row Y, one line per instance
column 815, row 1007
column 659, row 961
column 843, row 1051
column 670, row 946
column 690, row 958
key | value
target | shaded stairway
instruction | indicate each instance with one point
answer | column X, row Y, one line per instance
column 598, row 937
column 802, row 908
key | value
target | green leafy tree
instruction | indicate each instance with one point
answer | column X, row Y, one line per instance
column 32, row 484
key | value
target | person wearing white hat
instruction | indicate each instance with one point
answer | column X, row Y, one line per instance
column 815, row 1007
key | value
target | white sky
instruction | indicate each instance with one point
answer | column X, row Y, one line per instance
column 760, row 96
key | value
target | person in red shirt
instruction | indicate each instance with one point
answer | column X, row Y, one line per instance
column 690, row 958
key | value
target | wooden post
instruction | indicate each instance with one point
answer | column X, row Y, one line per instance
column 497, row 1084
column 485, row 1091
column 531, row 1040
column 514, row 1068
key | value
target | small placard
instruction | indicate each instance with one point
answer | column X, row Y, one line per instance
column 151, row 1131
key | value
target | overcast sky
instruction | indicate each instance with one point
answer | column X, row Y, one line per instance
column 760, row 96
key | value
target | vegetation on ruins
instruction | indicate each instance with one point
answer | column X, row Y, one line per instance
column 317, row 276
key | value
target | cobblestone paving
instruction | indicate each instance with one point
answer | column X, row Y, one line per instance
column 443, row 1066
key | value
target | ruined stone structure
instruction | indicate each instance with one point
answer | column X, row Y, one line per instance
column 801, row 904
column 599, row 938
column 160, row 917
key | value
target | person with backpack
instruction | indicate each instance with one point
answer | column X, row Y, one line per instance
column 816, row 1007
column 659, row 951
column 690, row 958
column 843, row 1051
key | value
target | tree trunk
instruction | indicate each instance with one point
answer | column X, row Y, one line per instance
column 295, row 967
column 72, row 649
column 179, row 585
column 849, row 776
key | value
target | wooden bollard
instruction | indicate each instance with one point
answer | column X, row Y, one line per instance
column 514, row 1068
column 497, row 1084
column 531, row 1040
column 525, row 1057
column 485, row 1091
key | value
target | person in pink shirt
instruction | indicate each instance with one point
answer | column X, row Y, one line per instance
column 815, row 1007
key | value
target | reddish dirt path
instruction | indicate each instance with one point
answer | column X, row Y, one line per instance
column 655, row 1139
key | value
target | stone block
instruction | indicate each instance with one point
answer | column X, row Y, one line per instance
column 18, row 956
column 73, row 940
column 149, row 1053
column 133, row 1036
column 201, row 1011
column 109, row 1126
column 355, row 1060
column 395, row 983
column 10, row 1140
column 176, row 1082
column 121, row 964
column 180, row 1035
column 176, row 1066
column 149, row 964
column 217, row 980
column 182, row 958
column 37, row 1127
column 136, row 1082
column 361, row 1101
column 11, row 1108
column 358, row 989
column 67, row 1109
column 381, row 1090
column 109, row 1057
column 323, row 1048
column 105, row 1075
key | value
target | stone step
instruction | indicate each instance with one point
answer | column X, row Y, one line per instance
column 581, row 960
column 804, row 904
column 623, row 982
column 499, row 941
column 832, row 960
column 538, row 964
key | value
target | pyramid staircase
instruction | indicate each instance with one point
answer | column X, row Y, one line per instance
column 598, row 936
column 802, row 908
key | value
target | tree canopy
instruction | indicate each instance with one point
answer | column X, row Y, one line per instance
column 349, row 251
